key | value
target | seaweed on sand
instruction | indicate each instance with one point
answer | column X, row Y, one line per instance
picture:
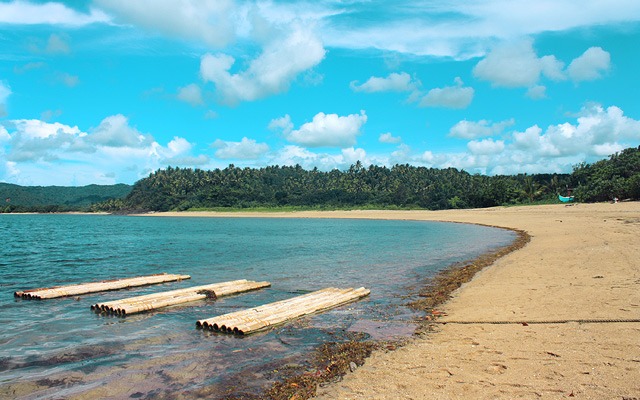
column 333, row 360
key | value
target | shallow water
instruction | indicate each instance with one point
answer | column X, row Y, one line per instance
column 59, row 348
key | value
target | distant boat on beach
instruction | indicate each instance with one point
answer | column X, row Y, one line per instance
column 565, row 199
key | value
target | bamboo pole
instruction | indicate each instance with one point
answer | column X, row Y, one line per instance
column 259, row 318
column 154, row 301
column 268, row 317
column 242, row 314
column 102, row 286
column 150, row 297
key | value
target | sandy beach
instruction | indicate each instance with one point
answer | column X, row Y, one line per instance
column 582, row 264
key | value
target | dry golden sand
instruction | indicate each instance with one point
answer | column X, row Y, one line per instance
column 583, row 262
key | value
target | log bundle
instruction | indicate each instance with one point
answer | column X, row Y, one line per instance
column 94, row 287
column 154, row 301
column 260, row 318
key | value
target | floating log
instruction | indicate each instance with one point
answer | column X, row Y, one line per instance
column 154, row 301
column 260, row 318
column 102, row 286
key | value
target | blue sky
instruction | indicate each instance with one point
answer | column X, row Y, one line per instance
column 106, row 91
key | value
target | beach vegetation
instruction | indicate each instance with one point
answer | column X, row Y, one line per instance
column 293, row 188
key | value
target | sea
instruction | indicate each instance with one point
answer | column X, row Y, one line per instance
column 60, row 348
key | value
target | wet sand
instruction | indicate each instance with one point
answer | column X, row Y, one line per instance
column 583, row 263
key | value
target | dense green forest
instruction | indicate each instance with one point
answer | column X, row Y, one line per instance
column 400, row 186
column 17, row 198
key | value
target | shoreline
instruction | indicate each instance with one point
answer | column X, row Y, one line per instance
column 579, row 265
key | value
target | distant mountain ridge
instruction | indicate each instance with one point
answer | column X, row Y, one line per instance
column 65, row 197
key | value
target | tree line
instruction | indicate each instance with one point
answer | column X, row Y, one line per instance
column 402, row 186
column 44, row 199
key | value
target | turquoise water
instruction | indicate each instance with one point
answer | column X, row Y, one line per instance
column 67, row 350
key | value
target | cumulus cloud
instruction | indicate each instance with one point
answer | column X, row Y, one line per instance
column 486, row 146
column 296, row 155
column 191, row 94
column 516, row 64
column 209, row 22
column 5, row 92
column 115, row 131
column 282, row 123
column 42, row 153
column 24, row 12
column 325, row 130
column 590, row 65
column 395, row 82
column 272, row 72
column 449, row 97
column 597, row 132
column 246, row 149
column 389, row 138
column 477, row 129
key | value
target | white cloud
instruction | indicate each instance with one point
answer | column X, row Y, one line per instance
column 24, row 12
column 597, row 132
column 590, row 65
column 389, row 138
column 41, row 153
column 449, row 97
column 472, row 129
column 115, row 131
column 246, row 149
column 295, row 155
column 462, row 29
column 5, row 92
column 57, row 44
column 282, row 123
column 395, row 82
column 191, row 94
column 516, row 64
column 270, row 73
column 209, row 22
column 325, row 130
column 352, row 155
column 4, row 134
column 485, row 147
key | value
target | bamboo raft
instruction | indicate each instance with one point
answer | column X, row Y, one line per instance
column 260, row 318
column 94, row 287
column 154, row 301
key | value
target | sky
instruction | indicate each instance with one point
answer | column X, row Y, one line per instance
column 108, row 91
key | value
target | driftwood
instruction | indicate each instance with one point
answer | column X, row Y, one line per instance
column 260, row 318
column 93, row 287
column 154, row 301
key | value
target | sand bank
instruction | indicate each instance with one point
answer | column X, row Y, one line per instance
column 583, row 263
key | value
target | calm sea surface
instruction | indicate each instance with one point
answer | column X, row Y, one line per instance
column 59, row 348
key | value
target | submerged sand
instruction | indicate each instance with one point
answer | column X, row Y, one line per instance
column 583, row 263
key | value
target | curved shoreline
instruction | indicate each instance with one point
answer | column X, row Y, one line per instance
column 580, row 264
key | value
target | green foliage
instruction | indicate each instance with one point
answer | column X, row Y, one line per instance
column 17, row 198
column 292, row 187
column 283, row 188
column 615, row 177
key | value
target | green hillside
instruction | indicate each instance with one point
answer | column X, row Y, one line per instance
column 16, row 198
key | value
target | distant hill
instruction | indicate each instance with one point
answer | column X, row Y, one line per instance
column 57, row 198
